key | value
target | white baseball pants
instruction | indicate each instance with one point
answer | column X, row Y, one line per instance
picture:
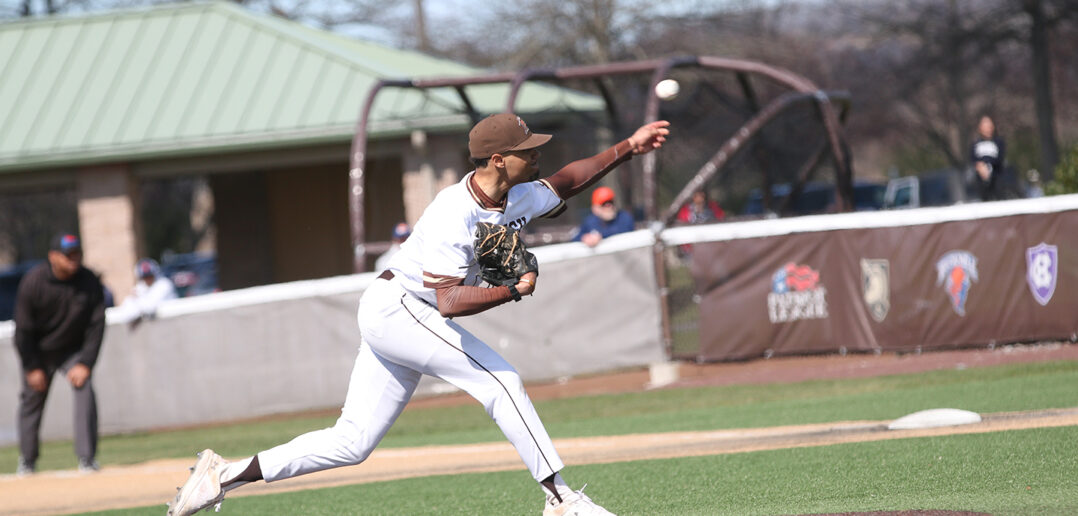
column 404, row 338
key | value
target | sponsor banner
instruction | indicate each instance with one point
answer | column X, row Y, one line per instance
column 931, row 286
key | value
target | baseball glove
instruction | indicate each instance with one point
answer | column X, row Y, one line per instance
column 501, row 254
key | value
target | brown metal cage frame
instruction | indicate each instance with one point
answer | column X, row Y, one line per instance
column 802, row 90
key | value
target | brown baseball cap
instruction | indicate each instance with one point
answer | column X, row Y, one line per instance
column 501, row 133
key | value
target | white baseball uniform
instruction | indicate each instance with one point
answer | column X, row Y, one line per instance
column 405, row 336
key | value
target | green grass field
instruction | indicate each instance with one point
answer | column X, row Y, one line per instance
column 1017, row 472
column 1014, row 472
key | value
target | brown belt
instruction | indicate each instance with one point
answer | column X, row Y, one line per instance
column 386, row 275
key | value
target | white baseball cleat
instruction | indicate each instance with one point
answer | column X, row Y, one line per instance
column 203, row 487
column 575, row 503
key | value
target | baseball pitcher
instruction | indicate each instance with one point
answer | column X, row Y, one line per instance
column 464, row 257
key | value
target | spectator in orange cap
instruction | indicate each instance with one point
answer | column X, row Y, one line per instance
column 605, row 219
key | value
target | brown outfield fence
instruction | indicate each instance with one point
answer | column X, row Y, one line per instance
column 935, row 278
column 820, row 284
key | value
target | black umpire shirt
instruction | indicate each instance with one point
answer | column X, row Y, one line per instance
column 55, row 318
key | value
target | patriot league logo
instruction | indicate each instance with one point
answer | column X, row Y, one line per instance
column 957, row 271
column 796, row 294
column 1042, row 266
column 876, row 287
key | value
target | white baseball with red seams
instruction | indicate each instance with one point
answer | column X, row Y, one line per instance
column 667, row 89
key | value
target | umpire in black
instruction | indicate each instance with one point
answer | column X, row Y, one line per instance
column 59, row 323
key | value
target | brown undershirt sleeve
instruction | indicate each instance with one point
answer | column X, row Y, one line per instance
column 457, row 300
column 581, row 174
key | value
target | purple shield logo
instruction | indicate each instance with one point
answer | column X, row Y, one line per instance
column 1042, row 264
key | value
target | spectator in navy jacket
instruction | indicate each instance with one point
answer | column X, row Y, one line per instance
column 605, row 219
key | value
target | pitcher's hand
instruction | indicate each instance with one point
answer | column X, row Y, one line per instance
column 649, row 137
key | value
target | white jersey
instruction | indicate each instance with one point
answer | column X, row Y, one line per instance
column 143, row 302
column 439, row 250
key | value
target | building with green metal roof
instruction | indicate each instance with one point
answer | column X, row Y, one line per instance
column 263, row 109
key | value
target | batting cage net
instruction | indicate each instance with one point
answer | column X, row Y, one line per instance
column 747, row 135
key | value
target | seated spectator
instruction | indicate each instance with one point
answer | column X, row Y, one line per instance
column 401, row 232
column 700, row 210
column 151, row 289
column 605, row 219
column 1033, row 184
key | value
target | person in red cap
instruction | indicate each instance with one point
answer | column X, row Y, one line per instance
column 404, row 318
column 605, row 219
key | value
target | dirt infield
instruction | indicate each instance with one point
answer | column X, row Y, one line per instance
column 154, row 482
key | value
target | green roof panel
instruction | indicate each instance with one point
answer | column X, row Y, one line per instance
column 92, row 98
column 193, row 78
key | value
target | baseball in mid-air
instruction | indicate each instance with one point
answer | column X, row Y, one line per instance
column 667, row 89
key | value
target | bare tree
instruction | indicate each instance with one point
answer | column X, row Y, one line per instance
column 396, row 23
column 957, row 59
column 1044, row 16
column 543, row 33
column 920, row 70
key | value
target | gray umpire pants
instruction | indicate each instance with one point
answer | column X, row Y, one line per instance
column 32, row 406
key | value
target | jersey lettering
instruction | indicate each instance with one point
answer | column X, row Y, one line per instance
column 518, row 223
column 441, row 241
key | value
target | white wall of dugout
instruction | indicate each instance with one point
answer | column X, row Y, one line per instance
column 290, row 347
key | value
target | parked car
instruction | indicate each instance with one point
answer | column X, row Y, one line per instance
column 817, row 198
column 942, row 187
column 192, row 273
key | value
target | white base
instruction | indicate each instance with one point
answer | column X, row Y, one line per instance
column 934, row 418
column 662, row 374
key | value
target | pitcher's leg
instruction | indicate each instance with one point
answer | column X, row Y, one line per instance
column 377, row 392
column 461, row 359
